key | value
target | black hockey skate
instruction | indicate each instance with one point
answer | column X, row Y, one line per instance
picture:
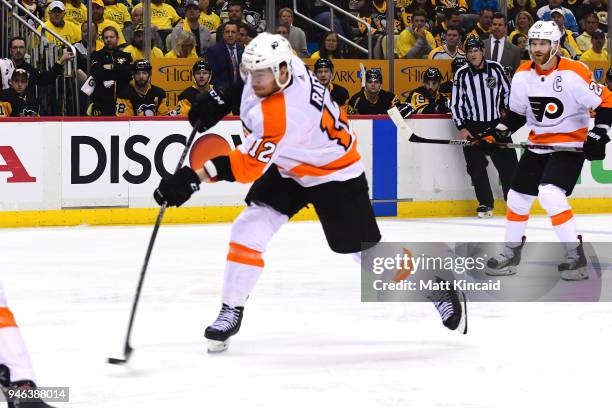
column 505, row 263
column 484, row 211
column 227, row 324
column 6, row 385
column 452, row 306
column 574, row 267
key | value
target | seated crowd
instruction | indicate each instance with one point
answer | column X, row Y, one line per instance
column 215, row 32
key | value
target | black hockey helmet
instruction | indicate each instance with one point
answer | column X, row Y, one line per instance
column 458, row 62
column 432, row 73
column 609, row 74
column 374, row 73
column 142, row 65
column 473, row 42
column 323, row 63
column 201, row 65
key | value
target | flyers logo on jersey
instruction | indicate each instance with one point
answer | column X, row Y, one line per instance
column 544, row 106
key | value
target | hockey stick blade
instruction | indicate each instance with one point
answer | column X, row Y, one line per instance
column 400, row 122
column 120, row 361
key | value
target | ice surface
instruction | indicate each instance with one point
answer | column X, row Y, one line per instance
column 306, row 340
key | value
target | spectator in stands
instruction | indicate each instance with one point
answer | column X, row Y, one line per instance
column 591, row 25
column 451, row 49
column 17, row 52
column 447, row 87
column 201, row 72
column 322, row 15
column 407, row 13
column 461, row 6
column 520, row 40
column 65, row 29
column 609, row 79
column 428, row 98
column 33, row 7
column 117, row 12
column 97, row 13
column 497, row 46
column 297, row 37
column 518, row 7
column 235, row 14
column 82, row 50
column 597, row 51
column 452, row 18
column 254, row 14
column 136, row 48
column 142, row 98
column 324, row 71
column 569, row 48
column 523, row 23
column 328, row 48
column 163, row 16
column 482, row 29
column 184, row 46
column 208, row 18
column 137, row 17
column 545, row 14
column 284, row 31
column 192, row 24
column 76, row 12
column 112, row 71
column 225, row 57
column 372, row 100
column 375, row 13
column 479, row 5
column 245, row 34
column 415, row 41
column 591, row 7
column 17, row 101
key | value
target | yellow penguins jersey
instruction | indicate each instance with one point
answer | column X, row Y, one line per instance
column 185, row 100
column 441, row 52
column 421, row 101
column 69, row 32
column 300, row 129
column 557, row 102
column 118, row 13
column 152, row 103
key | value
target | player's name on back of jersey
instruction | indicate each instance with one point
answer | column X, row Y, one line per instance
column 413, row 271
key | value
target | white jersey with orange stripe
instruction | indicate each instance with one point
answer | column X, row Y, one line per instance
column 300, row 129
column 557, row 102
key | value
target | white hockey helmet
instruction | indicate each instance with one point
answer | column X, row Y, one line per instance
column 545, row 30
column 267, row 51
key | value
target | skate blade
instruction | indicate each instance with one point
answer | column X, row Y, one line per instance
column 215, row 346
column 463, row 323
column 507, row 271
column 575, row 275
column 488, row 214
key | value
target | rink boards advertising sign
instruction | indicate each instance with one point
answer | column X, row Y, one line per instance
column 21, row 164
column 121, row 163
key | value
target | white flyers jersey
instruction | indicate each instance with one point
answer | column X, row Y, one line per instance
column 300, row 129
column 557, row 102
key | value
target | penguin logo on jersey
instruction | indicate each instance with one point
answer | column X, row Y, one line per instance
column 147, row 109
column 545, row 107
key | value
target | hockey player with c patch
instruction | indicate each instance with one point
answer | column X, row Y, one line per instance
column 299, row 149
column 554, row 96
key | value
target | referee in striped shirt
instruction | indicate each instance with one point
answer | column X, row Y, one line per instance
column 481, row 92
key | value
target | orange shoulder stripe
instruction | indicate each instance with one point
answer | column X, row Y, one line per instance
column 6, row 318
column 525, row 66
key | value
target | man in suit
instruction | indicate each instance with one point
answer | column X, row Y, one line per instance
column 497, row 46
column 224, row 58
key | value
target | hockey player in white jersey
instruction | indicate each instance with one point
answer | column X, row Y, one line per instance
column 299, row 149
column 554, row 96
column 15, row 366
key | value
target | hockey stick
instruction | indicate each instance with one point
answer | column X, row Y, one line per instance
column 127, row 350
column 400, row 123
